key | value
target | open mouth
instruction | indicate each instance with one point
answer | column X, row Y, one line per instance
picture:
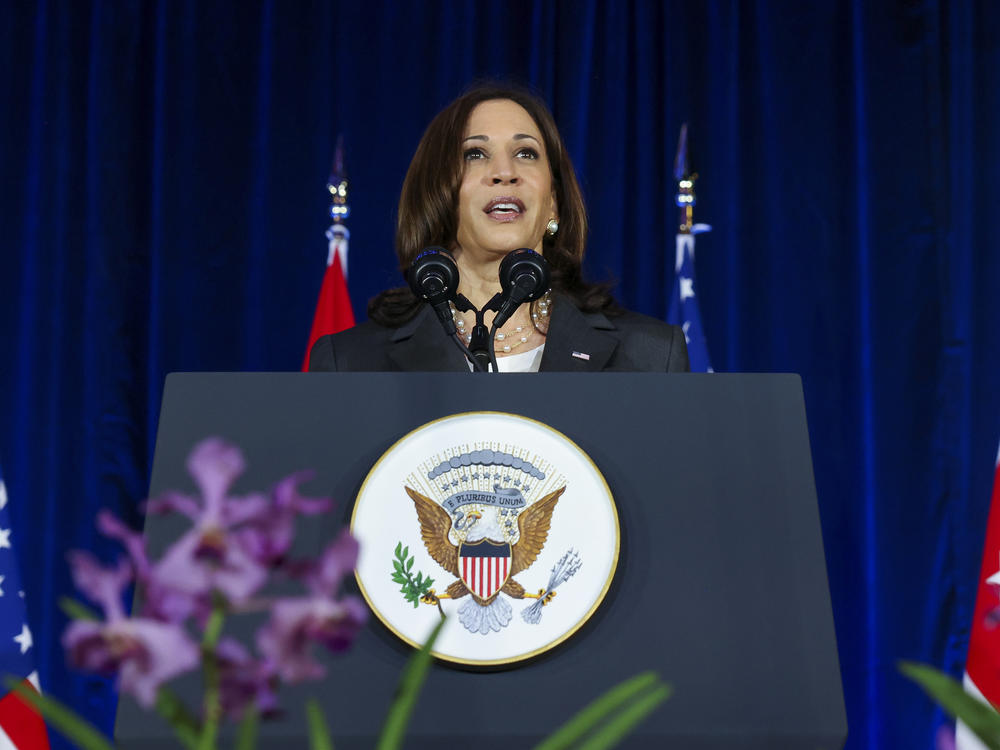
column 504, row 208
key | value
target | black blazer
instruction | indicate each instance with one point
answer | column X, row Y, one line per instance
column 630, row 342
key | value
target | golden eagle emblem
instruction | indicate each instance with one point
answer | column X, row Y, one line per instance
column 485, row 559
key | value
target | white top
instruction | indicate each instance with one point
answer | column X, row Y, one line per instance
column 525, row 362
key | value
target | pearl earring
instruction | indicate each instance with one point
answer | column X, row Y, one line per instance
column 552, row 227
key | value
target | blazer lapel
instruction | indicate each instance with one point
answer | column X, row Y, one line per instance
column 576, row 341
column 421, row 346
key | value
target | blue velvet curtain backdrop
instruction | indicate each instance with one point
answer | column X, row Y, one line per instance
column 163, row 208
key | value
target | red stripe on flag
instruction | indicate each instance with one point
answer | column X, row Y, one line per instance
column 480, row 576
column 22, row 723
column 505, row 568
column 983, row 664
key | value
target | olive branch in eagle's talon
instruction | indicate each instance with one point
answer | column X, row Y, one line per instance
column 414, row 589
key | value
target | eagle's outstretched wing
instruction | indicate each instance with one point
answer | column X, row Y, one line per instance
column 533, row 525
column 434, row 526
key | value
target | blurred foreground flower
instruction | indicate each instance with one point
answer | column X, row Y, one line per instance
column 298, row 622
column 220, row 567
column 143, row 652
column 209, row 557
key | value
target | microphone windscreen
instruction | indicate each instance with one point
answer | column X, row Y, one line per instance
column 526, row 270
column 433, row 275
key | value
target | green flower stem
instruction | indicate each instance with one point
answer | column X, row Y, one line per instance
column 606, row 706
column 621, row 725
column 171, row 708
column 74, row 610
column 247, row 737
column 212, row 705
column 319, row 733
column 407, row 692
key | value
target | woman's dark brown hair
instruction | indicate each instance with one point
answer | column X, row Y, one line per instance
column 428, row 204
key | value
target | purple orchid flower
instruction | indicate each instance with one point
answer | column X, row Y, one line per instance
column 245, row 681
column 145, row 653
column 298, row 622
column 159, row 601
column 210, row 557
column 269, row 538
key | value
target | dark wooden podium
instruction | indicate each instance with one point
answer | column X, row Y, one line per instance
column 721, row 585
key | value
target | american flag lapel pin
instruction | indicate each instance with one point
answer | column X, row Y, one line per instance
column 581, row 355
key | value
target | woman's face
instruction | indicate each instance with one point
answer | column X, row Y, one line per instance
column 506, row 196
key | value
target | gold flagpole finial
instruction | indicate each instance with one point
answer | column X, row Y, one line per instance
column 685, row 185
column 337, row 185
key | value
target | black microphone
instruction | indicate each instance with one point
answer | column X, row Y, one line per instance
column 433, row 276
column 524, row 277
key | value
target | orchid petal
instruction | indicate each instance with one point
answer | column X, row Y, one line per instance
column 133, row 541
column 240, row 575
column 173, row 502
column 179, row 570
column 296, row 623
column 237, row 510
column 286, row 495
column 168, row 652
column 214, row 464
column 145, row 653
column 102, row 585
column 336, row 561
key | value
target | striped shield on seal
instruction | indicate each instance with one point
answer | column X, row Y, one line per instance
column 484, row 566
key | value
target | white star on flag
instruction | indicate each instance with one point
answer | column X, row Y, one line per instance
column 687, row 288
column 4, row 538
column 24, row 639
column 994, row 580
column 1, row 584
column 3, row 496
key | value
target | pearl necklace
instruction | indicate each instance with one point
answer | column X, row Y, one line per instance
column 507, row 342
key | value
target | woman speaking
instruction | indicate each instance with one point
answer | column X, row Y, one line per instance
column 491, row 175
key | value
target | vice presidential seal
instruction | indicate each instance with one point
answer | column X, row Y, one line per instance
column 494, row 520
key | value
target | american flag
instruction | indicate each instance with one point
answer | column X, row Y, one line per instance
column 21, row 728
column 683, row 310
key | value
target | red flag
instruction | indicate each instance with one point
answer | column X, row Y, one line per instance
column 982, row 667
column 333, row 309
